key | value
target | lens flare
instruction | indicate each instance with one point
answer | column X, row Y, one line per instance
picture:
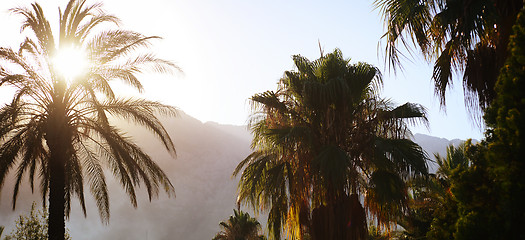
column 70, row 62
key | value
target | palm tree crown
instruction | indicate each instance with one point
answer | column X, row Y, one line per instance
column 469, row 37
column 240, row 226
column 58, row 129
column 322, row 142
column 455, row 158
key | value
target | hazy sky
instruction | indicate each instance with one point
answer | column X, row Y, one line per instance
column 232, row 49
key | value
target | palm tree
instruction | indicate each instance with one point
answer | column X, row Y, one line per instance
column 57, row 127
column 460, row 36
column 323, row 142
column 455, row 158
column 240, row 226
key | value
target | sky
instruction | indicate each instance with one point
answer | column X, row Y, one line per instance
column 229, row 50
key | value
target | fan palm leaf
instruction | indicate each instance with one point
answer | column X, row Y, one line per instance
column 467, row 37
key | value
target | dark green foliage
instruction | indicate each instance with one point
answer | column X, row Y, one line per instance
column 474, row 191
column 485, row 193
column 488, row 194
column 443, row 220
column 503, row 158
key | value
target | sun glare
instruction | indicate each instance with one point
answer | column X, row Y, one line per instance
column 70, row 62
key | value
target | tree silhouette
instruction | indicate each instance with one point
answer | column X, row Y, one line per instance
column 469, row 37
column 240, row 226
column 323, row 142
column 57, row 128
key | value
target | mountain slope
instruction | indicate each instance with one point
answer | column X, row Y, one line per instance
column 434, row 145
column 207, row 153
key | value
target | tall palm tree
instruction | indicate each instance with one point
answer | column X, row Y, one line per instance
column 240, row 226
column 57, row 127
column 460, row 36
column 323, row 142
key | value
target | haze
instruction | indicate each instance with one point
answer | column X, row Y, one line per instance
column 230, row 50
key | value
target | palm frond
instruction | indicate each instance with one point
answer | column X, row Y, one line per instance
column 142, row 112
column 386, row 197
column 334, row 166
column 406, row 156
column 97, row 180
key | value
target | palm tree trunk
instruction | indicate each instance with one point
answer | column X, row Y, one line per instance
column 58, row 141
column 56, row 227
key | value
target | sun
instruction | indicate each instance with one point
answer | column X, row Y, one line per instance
column 70, row 62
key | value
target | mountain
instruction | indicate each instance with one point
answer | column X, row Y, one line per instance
column 207, row 153
column 201, row 173
column 437, row 145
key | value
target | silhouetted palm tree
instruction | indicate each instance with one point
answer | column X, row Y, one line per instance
column 240, row 226
column 455, row 158
column 58, row 130
column 324, row 141
column 461, row 36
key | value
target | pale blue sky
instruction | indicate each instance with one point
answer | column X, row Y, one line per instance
column 232, row 49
